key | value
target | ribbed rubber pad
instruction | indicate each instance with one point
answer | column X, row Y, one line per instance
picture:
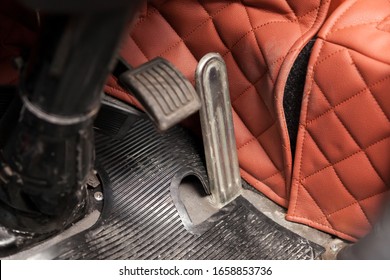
column 115, row 117
column 140, row 220
column 167, row 96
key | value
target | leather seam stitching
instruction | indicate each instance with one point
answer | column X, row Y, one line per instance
column 310, row 75
column 353, row 204
column 219, row 35
column 142, row 19
column 338, row 176
column 242, row 72
column 347, row 100
column 258, row 181
column 273, row 175
column 345, row 128
column 258, row 44
column 354, row 25
column 331, row 229
column 186, row 36
column 348, row 157
column 269, row 23
column 366, row 84
column 339, row 17
column 262, row 75
column 327, row 57
column 139, row 47
column 252, row 85
column 349, row 133
column 265, row 146
column 255, row 137
column 292, row 10
column 317, row 205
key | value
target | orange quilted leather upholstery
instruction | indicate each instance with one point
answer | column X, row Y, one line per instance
column 342, row 174
column 259, row 41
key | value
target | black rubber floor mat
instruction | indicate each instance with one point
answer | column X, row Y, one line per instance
column 140, row 220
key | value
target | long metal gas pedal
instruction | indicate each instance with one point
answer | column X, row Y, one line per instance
column 166, row 95
column 217, row 129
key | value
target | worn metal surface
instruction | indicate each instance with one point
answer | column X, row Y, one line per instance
column 140, row 220
column 217, row 129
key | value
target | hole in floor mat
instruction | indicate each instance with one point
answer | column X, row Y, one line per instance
column 196, row 202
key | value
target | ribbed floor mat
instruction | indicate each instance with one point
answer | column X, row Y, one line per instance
column 140, row 220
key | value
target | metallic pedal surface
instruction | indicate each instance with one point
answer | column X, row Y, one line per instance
column 217, row 129
column 167, row 96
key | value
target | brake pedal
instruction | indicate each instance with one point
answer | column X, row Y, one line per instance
column 116, row 117
column 166, row 95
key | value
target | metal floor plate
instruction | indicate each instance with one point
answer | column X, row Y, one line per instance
column 140, row 219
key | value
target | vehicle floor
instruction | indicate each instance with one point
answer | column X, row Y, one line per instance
column 154, row 207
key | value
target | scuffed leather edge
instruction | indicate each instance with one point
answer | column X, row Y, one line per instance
column 300, row 141
column 325, row 30
column 281, row 84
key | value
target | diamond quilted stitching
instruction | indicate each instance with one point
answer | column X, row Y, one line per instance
column 364, row 120
column 177, row 11
column 378, row 105
column 193, row 42
column 379, row 162
column 370, row 76
column 338, row 142
column 255, row 105
column 273, row 34
column 360, row 121
column 276, row 182
column 271, row 143
column 253, row 164
column 321, row 105
column 155, row 43
column 361, row 187
column 366, row 150
column 320, row 189
column 311, row 212
column 341, row 219
column 302, row 10
column 245, row 135
column 256, row 66
column 380, row 90
column 238, row 25
column 312, row 164
column 374, row 206
column 238, row 83
column 268, row 6
column 337, row 69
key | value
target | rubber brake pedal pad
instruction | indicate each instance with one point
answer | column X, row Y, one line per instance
column 116, row 117
column 166, row 95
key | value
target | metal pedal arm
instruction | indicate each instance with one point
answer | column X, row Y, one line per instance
column 217, row 129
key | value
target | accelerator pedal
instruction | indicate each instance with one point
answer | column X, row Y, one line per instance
column 217, row 129
column 166, row 95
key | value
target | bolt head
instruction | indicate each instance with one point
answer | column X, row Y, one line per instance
column 334, row 247
column 98, row 196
